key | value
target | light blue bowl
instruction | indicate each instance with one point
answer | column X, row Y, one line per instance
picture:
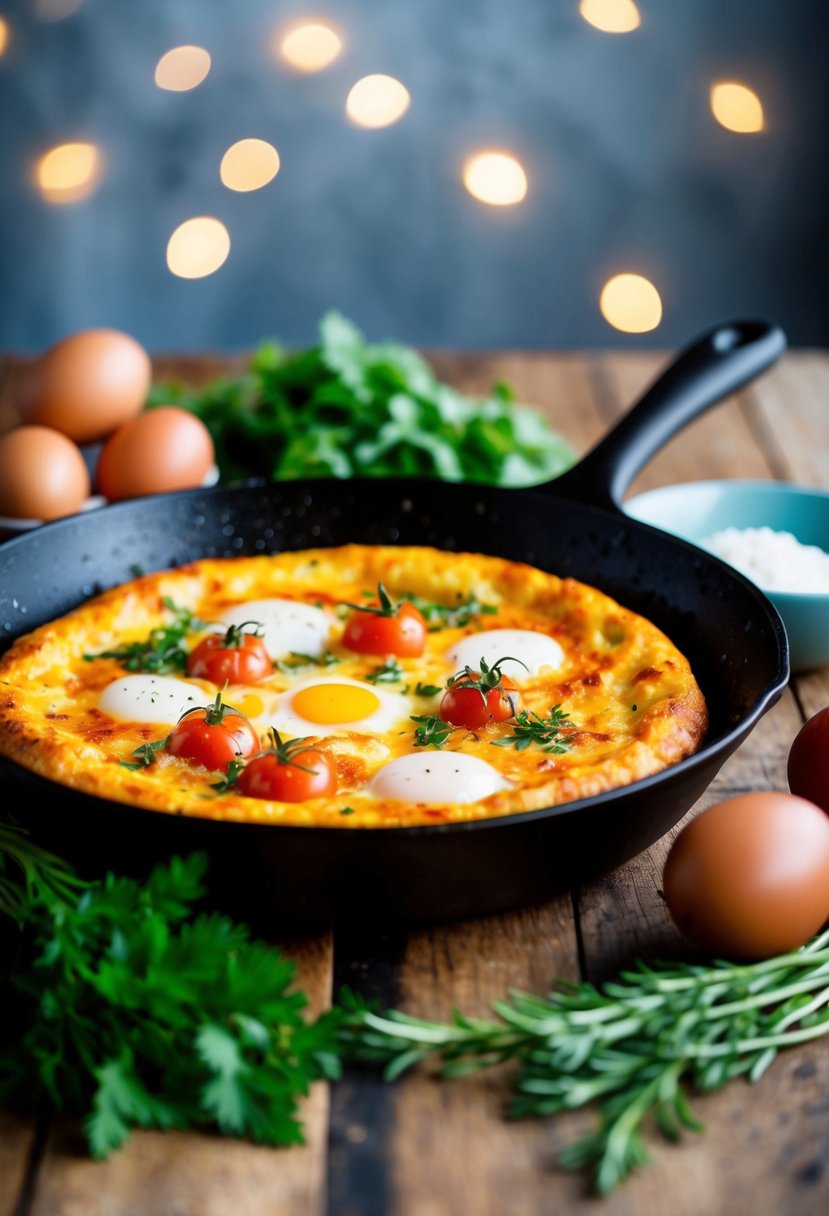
column 695, row 510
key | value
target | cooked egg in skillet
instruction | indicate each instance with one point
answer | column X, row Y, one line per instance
column 288, row 626
column 327, row 706
column 535, row 650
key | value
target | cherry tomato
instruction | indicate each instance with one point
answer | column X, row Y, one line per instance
column 287, row 772
column 213, row 735
column 808, row 764
column 475, row 698
column 235, row 657
column 385, row 628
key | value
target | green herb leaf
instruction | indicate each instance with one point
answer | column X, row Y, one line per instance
column 163, row 651
column 632, row 1049
column 432, row 731
column 546, row 732
column 347, row 407
column 389, row 673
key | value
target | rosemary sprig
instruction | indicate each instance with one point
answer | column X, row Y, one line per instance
column 163, row 650
column 632, row 1049
column 529, row 727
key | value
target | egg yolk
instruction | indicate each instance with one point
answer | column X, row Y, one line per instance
column 328, row 704
column 250, row 705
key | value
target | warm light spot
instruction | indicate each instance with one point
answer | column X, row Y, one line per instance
column 631, row 303
column 611, row 16
column 198, row 247
column 182, row 68
column 737, row 107
column 310, row 47
column 56, row 10
column 4, row 35
column 329, row 704
column 68, row 172
column 495, row 178
column 249, row 164
column 377, row 101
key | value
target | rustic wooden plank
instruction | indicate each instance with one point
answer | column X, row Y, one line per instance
column 17, row 1137
column 176, row 1174
column 780, row 1131
column 450, row 1148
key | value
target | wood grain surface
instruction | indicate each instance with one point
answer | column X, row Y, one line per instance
column 423, row 1147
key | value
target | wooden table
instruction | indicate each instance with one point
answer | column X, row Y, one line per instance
column 427, row 1148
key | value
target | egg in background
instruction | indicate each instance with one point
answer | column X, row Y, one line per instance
column 43, row 474
column 159, row 450
column 86, row 385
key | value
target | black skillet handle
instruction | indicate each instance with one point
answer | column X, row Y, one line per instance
column 701, row 375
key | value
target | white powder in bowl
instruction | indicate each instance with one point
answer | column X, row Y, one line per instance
column 775, row 561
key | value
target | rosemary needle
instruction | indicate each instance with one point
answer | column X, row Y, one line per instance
column 633, row 1049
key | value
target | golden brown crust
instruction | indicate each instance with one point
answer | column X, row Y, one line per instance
column 632, row 696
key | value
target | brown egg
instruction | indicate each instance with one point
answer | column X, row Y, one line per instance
column 43, row 474
column 749, row 877
column 86, row 385
column 161, row 449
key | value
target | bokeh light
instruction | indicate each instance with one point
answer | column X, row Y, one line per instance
column 611, row 16
column 68, row 172
column 737, row 107
column 496, row 178
column 631, row 303
column 377, row 101
column 56, row 10
column 249, row 164
column 182, row 68
column 310, row 47
column 198, row 247
column 5, row 34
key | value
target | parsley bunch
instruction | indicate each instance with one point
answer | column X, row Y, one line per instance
column 135, row 1010
column 347, row 408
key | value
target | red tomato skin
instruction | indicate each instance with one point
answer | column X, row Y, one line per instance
column 195, row 739
column 212, row 660
column 464, row 705
column 808, row 763
column 265, row 776
column 403, row 634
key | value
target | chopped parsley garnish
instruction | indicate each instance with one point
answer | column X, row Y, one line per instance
column 163, row 650
column 295, row 659
column 432, row 732
column 529, row 727
column 146, row 754
column 390, row 673
column 427, row 690
column 452, row 616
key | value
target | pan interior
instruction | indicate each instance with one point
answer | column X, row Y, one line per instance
column 730, row 633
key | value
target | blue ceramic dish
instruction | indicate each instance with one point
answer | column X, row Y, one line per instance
column 695, row 510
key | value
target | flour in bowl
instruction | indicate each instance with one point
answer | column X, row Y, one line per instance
column 775, row 561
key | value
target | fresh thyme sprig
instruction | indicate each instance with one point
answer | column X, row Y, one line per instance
column 163, row 650
column 632, row 1049
column 528, row 727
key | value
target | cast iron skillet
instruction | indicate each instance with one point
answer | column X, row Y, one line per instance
column 731, row 633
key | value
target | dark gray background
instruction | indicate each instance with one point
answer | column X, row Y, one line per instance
column 627, row 168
